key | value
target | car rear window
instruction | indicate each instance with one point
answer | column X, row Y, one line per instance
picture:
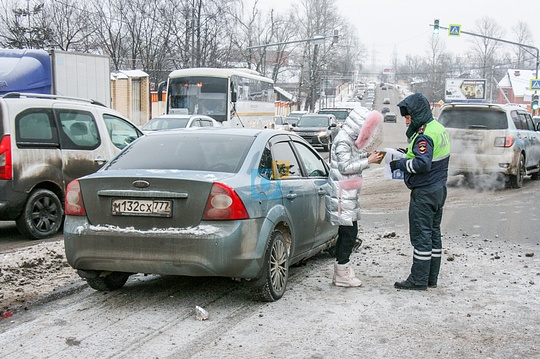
column 341, row 115
column 482, row 119
column 313, row 121
column 189, row 151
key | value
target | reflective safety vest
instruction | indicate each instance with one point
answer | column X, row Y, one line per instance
column 440, row 138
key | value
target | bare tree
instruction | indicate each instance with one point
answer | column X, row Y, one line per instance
column 70, row 20
column 523, row 35
column 437, row 69
column 484, row 49
column 317, row 18
column 24, row 27
column 108, row 23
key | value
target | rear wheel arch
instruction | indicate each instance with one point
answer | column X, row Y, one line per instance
column 272, row 283
column 516, row 181
column 43, row 212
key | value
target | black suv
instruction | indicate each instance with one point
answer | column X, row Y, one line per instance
column 317, row 129
column 45, row 142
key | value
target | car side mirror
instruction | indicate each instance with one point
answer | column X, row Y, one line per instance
column 333, row 125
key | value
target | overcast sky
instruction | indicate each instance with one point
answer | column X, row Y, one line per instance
column 385, row 26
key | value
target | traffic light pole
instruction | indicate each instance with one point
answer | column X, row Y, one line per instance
column 500, row 40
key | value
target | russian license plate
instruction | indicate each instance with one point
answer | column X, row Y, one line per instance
column 142, row 207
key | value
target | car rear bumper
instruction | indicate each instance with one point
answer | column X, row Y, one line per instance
column 224, row 248
column 11, row 201
column 462, row 163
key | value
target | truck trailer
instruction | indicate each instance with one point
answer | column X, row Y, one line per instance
column 57, row 73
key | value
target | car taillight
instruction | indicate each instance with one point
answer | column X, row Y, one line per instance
column 224, row 204
column 5, row 158
column 74, row 203
column 506, row 141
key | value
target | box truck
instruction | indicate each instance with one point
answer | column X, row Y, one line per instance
column 56, row 72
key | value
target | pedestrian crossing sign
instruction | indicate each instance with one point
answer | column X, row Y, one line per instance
column 454, row 30
column 535, row 85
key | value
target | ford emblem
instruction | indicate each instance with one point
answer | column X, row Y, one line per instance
column 141, row 184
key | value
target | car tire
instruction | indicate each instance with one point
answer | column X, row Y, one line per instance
column 275, row 271
column 516, row 181
column 113, row 281
column 42, row 215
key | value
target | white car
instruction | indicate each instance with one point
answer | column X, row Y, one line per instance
column 280, row 123
column 172, row 121
column 492, row 139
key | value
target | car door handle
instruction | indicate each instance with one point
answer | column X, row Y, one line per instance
column 100, row 161
column 291, row 196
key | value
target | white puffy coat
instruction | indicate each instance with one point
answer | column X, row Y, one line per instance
column 346, row 165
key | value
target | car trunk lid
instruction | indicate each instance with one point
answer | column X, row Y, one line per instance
column 146, row 201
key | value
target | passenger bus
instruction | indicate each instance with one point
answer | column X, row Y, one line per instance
column 234, row 97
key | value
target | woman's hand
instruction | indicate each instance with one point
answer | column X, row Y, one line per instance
column 375, row 157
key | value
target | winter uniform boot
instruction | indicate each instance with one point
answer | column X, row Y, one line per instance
column 344, row 276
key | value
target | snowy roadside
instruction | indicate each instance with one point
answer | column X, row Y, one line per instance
column 483, row 275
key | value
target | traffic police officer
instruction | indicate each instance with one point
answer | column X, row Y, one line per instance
column 425, row 168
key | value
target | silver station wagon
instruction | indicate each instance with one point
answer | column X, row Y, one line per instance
column 229, row 202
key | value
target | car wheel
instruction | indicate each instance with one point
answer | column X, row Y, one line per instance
column 516, row 181
column 42, row 215
column 276, row 270
column 113, row 281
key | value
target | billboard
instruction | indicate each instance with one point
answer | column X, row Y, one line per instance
column 465, row 90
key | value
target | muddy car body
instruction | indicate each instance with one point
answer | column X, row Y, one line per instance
column 492, row 139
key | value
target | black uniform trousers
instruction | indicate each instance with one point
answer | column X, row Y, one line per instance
column 425, row 215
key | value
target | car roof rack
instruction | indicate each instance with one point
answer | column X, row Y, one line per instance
column 59, row 97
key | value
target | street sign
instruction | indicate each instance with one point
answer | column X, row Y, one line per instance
column 535, row 85
column 454, row 30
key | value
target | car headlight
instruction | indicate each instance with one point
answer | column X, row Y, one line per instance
column 322, row 133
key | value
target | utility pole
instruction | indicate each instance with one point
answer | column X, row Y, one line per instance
column 314, row 72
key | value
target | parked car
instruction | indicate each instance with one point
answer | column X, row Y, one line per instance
column 341, row 114
column 229, row 202
column 281, row 123
column 390, row 117
column 171, row 121
column 46, row 142
column 492, row 139
column 297, row 113
column 294, row 117
column 319, row 130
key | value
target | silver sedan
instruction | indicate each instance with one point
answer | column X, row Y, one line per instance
column 237, row 203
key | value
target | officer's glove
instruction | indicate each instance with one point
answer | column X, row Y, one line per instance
column 393, row 166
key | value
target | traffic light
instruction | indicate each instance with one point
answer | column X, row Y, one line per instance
column 436, row 26
column 335, row 38
column 534, row 102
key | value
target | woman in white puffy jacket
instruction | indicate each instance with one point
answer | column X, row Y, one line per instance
column 350, row 155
